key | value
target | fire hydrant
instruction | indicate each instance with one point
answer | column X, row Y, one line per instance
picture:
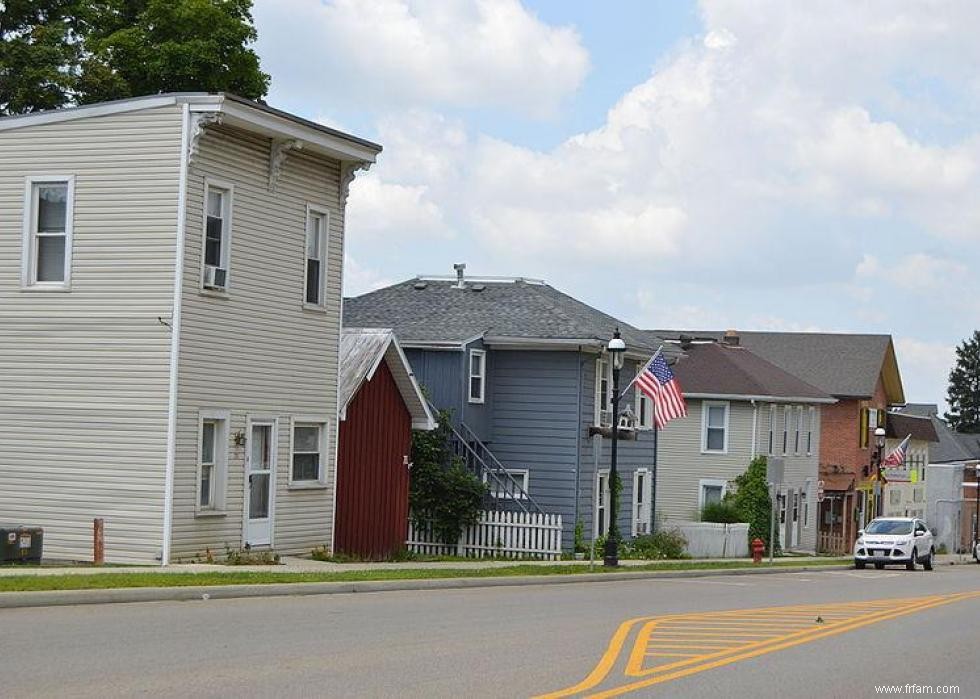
column 758, row 548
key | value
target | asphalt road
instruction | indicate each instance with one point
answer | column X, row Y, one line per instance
column 515, row 641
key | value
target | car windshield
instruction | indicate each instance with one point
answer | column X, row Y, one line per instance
column 889, row 526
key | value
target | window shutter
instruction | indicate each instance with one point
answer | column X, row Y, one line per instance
column 863, row 435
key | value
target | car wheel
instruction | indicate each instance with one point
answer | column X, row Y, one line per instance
column 927, row 564
column 911, row 564
column 879, row 566
column 859, row 565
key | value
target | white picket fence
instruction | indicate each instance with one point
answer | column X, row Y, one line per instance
column 711, row 540
column 502, row 534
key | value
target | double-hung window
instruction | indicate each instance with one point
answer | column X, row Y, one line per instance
column 798, row 431
column 478, row 376
column 48, row 213
column 772, row 428
column 714, row 427
column 603, row 393
column 511, row 484
column 711, row 491
column 317, row 225
column 602, row 501
column 787, row 421
column 212, row 461
column 308, row 452
column 811, row 419
column 217, row 235
column 643, row 409
column 642, row 495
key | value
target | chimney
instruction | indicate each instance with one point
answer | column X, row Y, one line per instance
column 686, row 342
column 731, row 338
column 460, row 268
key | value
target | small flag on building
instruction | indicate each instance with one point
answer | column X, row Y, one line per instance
column 896, row 457
column 657, row 381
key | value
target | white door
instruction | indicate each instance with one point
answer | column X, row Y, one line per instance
column 260, row 484
column 793, row 526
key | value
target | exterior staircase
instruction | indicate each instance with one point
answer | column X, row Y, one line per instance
column 505, row 491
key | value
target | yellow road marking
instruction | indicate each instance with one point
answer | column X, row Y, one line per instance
column 668, row 632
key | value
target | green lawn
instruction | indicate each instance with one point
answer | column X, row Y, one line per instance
column 82, row 581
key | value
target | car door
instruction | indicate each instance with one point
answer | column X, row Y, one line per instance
column 923, row 538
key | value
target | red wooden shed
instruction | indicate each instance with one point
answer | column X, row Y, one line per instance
column 380, row 405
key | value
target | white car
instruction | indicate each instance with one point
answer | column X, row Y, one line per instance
column 894, row 541
column 976, row 552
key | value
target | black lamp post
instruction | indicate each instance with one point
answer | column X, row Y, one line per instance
column 879, row 447
column 616, row 348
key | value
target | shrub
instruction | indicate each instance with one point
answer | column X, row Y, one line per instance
column 666, row 543
column 751, row 500
column 580, row 546
column 441, row 490
column 723, row 512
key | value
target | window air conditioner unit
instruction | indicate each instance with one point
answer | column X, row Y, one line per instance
column 215, row 277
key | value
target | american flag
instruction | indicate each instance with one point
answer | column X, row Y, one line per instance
column 896, row 457
column 657, row 381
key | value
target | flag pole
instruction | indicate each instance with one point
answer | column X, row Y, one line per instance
column 650, row 361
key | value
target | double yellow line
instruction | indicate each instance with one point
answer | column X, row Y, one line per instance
column 839, row 615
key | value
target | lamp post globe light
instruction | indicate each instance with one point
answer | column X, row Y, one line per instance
column 880, row 490
column 616, row 349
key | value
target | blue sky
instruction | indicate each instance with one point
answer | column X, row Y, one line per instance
column 769, row 165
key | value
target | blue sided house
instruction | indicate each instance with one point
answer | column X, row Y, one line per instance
column 524, row 371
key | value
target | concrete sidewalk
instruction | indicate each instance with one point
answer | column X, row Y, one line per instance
column 296, row 564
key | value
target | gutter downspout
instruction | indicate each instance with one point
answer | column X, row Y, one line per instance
column 168, row 487
column 755, row 425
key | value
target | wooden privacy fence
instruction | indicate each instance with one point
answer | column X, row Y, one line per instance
column 503, row 534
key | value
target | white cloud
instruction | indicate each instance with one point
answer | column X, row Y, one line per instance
column 382, row 209
column 409, row 52
column 925, row 272
column 360, row 280
column 925, row 368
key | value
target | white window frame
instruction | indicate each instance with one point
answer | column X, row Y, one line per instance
column 772, row 428
column 521, row 475
column 482, row 376
column 812, row 415
column 323, row 423
column 710, row 483
column 641, row 510
column 312, row 212
column 601, row 500
column 226, row 233
column 603, row 371
column 787, row 418
column 641, row 399
column 705, row 405
column 219, row 486
column 29, row 257
column 798, row 431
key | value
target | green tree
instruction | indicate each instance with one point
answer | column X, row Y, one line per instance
column 140, row 47
column 441, row 490
column 38, row 54
column 57, row 52
column 963, row 394
column 750, row 496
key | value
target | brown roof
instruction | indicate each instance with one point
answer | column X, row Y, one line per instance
column 900, row 426
column 719, row 369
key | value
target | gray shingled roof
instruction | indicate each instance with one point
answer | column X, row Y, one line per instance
column 436, row 311
column 715, row 368
column 361, row 350
column 952, row 446
column 843, row 365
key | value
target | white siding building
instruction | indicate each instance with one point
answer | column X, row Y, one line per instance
column 170, row 293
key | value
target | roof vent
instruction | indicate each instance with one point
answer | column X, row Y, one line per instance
column 686, row 342
column 478, row 287
column 731, row 338
column 418, row 286
column 460, row 267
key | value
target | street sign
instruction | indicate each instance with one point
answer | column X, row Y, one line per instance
column 820, row 491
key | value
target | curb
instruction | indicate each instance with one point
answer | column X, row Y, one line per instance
column 57, row 598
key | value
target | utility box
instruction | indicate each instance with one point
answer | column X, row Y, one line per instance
column 20, row 544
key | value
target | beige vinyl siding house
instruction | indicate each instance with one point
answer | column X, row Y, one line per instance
column 120, row 387
column 731, row 395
